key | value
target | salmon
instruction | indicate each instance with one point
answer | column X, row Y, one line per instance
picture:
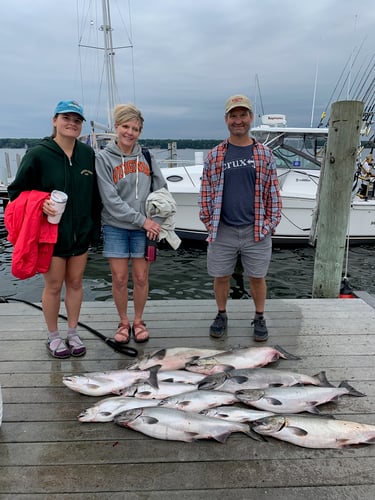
column 315, row 432
column 177, row 425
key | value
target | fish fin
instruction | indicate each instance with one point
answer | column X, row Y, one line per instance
column 184, row 404
column 352, row 391
column 204, row 386
column 274, row 401
column 221, row 438
column 191, row 436
column 297, row 431
column 240, row 379
column 284, row 354
column 313, row 409
column 159, row 354
column 153, row 379
column 192, row 359
column 150, row 420
column 324, row 382
column 227, row 368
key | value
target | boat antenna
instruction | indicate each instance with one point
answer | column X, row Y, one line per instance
column 258, row 92
column 314, row 94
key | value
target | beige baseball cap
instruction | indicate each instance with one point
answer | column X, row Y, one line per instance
column 237, row 101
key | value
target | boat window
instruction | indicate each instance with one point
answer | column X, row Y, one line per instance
column 174, row 178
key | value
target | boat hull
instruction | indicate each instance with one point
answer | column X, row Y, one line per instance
column 298, row 193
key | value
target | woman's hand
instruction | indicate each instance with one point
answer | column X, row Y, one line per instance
column 152, row 229
column 49, row 208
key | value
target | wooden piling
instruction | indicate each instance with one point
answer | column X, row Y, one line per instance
column 336, row 182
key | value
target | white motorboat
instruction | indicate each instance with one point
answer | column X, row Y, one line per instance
column 298, row 153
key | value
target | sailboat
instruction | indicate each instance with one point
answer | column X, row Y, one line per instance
column 100, row 134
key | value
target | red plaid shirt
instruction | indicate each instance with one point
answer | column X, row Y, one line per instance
column 267, row 191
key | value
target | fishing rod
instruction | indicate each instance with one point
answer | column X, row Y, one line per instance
column 116, row 346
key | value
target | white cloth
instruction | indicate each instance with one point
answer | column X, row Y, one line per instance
column 160, row 205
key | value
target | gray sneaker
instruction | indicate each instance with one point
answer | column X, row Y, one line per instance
column 219, row 326
column 260, row 329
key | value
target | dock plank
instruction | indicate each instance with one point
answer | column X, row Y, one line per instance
column 45, row 452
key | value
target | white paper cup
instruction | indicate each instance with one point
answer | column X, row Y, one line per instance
column 59, row 201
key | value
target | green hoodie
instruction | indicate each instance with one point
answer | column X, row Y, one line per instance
column 45, row 168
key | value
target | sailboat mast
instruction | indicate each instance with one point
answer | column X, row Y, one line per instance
column 109, row 54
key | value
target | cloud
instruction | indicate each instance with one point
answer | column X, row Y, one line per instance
column 187, row 58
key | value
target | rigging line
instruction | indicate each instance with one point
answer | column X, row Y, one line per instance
column 293, row 224
column 361, row 73
column 365, row 79
column 350, row 60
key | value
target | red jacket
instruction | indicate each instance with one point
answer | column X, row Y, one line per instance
column 31, row 234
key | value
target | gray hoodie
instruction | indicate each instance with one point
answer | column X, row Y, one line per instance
column 124, row 183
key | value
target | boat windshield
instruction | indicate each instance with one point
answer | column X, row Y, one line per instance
column 294, row 149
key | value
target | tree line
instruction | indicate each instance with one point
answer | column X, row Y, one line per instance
column 196, row 144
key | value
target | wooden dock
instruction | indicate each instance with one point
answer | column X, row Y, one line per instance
column 46, row 453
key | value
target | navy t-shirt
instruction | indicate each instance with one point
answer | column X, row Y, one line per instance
column 239, row 186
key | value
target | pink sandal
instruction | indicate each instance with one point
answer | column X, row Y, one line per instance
column 122, row 335
column 140, row 332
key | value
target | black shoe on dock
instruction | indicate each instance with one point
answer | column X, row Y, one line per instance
column 260, row 329
column 219, row 326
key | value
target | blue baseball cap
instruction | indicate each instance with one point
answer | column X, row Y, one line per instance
column 69, row 107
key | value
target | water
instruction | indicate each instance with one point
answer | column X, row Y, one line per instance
column 182, row 274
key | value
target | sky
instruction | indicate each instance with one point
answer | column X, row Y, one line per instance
column 188, row 56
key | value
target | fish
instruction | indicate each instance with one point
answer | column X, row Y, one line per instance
column 294, row 399
column 259, row 378
column 243, row 357
column 165, row 389
column 315, row 432
column 177, row 425
column 198, row 400
column 106, row 409
column 103, row 383
column 174, row 358
column 236, row 413
column 180, row 376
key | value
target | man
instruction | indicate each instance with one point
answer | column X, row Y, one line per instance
column 240, row 205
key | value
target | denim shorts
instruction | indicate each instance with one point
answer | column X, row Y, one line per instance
column 234, row 241
column 123, row 243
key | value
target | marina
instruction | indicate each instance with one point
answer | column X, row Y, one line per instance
column 45, row 452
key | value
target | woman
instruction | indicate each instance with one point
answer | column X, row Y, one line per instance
column 125, row 179
column 63, row 163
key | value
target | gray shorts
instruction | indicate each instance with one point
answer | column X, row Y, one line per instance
column 232, row 241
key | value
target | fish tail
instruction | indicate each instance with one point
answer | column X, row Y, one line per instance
column 352, row 391
column 284, row 354
column 322, row 377
column 153, row 378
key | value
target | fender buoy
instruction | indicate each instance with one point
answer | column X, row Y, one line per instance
column 346, row 291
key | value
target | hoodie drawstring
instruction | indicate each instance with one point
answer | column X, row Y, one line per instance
column 136, row 182
column 137, row 173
